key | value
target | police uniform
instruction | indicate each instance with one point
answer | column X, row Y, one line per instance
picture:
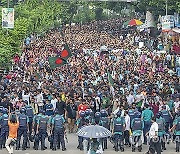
column 80, row 123
column 165, row 114
column 42, row 131
column 22, row 130
column 30, row 114
column 105, row 122
column 58, row 131
column 137, row 126
column 4, row 129
column 177, row 133
column 118, row 127
column 161, row 131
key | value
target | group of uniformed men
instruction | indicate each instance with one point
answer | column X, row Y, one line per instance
column 41, row 123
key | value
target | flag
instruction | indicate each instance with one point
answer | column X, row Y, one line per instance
column 56, row 61
column 65, row 53
column 110, row 79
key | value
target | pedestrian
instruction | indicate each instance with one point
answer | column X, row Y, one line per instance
column 154, row 144
column 13, row 124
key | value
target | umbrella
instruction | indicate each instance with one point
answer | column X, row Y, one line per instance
column 94, row 131
column 135, row 22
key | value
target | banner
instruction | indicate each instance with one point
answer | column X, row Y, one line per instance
column 167, row 22
column 149, row 20
column 7, row 17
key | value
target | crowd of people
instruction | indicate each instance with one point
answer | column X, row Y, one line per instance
column 111, row 68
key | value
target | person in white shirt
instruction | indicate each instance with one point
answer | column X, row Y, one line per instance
column 176, row 104
column 154, row 145
column 127, row 128
column 130, row 98
column 26, row 96
column 39, row 100
column 54, row 101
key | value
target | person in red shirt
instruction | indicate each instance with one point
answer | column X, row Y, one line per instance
column 83, row 106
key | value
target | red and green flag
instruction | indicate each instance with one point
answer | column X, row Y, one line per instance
column 56, row 61
column 66, row 52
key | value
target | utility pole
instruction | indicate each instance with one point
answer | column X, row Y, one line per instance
column 166, row 8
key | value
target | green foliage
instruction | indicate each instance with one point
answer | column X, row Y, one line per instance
column 38, row 16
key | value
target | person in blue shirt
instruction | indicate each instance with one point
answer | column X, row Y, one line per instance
column 117, row 131
column 58, row 130
column 161, row 130
column 4, row 127
column 23, row 129
column 147, row 115
column 48, row 107
column 137, row 126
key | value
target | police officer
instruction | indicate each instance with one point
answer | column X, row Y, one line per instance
column 176, row 128
column 35, row 123
column 4, row 127
column 104, row 121
column 80, row 123
column 88, row 116
column 167, row 117
column 132, row 111
column 58, row 130
column 48, row 108
column 137, row 126
column 118, row 129
column 23, row 129
column 42, row 131
column 30, row 114
column 161, row 130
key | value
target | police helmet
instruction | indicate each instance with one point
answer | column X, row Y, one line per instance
column 118, row 113
column 87, row 112
column 23, row 110
column 104, row 113
column 56, row 112
column 26, row 102
column 5, row 111
column 97, row 115
column 91, row 112
column 138, row 114
column 82, row 114
column 158, row 115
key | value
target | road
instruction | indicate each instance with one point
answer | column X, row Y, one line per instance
column 71, row 149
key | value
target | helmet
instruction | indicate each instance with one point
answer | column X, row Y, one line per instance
column 23, row 110
column 158, row 115
column 104, row 113
column 97, row 115
column 56, row 112
column 82, row 114
column 87, row 112
column 138, row 114
column 118, row 113
column 50, row 138
column 5, row 111
column 42, row 111
column 91, row 112
column 26, row 102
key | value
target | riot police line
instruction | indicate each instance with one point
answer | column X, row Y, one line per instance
column 34, row 128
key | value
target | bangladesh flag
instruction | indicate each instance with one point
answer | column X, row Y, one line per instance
column 110, row 79
column 65, row 53
column 56, row 61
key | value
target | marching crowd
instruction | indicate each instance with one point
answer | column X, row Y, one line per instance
column 122, row 79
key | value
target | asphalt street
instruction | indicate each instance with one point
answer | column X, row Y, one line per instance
column 72, row 144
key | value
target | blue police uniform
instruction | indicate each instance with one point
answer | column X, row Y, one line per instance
column 118, row 124
column 42, row 132
column 4, row 129
column 165, row 114
column 137, row 126
column 105, row 123
column 80, row 123
column 22, row 130
column 177, row 133
column 161, row 131
column 58, row 131
column 30, row 114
